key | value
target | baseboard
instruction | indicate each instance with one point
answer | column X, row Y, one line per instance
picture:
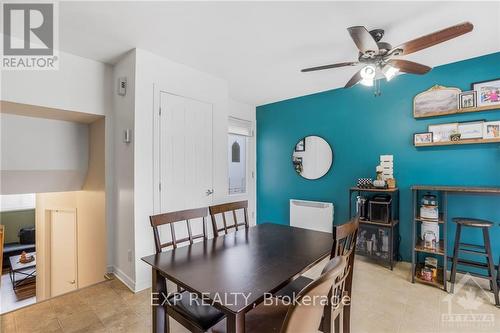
column 120, row 275
column 142, row 286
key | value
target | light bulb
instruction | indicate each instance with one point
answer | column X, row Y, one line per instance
column 389, row 72
column 367, row 82
column 368, row 72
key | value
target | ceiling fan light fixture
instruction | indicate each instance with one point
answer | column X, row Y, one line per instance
column 389, row 72
column 368, row 75
column 368, row 72
column 367, row 82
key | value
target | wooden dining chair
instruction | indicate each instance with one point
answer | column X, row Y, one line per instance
column 195, row 317
column 305, row 313
column 344, row 244
column 231, row 207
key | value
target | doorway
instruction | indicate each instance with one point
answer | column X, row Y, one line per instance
column 185, row 153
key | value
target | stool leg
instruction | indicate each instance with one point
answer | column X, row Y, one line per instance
column 491, row 266
column 455, row 258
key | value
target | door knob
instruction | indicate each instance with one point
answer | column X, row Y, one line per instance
column 72, row 282
column 209, row 192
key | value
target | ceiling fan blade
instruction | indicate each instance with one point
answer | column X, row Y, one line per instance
column 434, row 38
column 340, row 64
column 409, row 66
column 354, row 79
column 363, row 40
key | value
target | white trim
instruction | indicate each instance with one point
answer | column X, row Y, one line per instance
column 143, row 286
column 124, row 278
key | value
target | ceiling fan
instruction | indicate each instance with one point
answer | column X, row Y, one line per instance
column 378, row 57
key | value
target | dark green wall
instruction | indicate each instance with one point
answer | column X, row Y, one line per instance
column 14, row 221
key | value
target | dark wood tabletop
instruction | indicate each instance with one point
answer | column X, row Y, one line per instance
column 253, row 261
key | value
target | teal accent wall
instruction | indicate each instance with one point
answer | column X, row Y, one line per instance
column 360, row 128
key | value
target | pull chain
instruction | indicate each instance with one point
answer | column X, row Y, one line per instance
column 376, row 88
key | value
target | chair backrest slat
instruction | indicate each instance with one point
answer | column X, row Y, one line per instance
column 306, row 316
column 345, row 236
column 225, row 208
column 178, row 216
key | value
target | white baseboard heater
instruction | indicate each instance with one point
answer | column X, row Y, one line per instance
column 313, row 215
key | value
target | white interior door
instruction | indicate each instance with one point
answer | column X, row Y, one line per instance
column 185, row 148
column 63, row 252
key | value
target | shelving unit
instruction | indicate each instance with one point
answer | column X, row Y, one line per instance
column 417, row 243
column 459, row 142
column 441, row 251
column 392, row 228
column 460, row 111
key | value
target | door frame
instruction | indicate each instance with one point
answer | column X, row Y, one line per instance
column 48, row 246
column 157, row 91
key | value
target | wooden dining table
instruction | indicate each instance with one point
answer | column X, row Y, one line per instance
column 234, row 272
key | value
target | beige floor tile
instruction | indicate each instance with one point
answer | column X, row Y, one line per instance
column 43, row 326
column 8, row 323
column 120, row 322
column 78, row 321
column 382, row 301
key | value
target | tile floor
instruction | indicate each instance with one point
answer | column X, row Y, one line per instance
column 383, row 302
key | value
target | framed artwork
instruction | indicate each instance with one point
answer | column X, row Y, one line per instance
column 491, row 130
column 301, row 145
column 435, row 101
column 488, row 92
column 471, row 130
column 443, row 132
column 419, row 138
column 468, row 99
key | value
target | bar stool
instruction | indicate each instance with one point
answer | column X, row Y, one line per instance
column 480, row 250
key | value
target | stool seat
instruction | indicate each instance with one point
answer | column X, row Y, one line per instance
column 471, row 222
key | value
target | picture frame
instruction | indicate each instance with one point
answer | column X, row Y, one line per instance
column 422, row 138
column 471, row 129
column 468, row 99
column 443, row 132
column 301, row 145
column 488, row 92
column 436, row 101
column 491, row 130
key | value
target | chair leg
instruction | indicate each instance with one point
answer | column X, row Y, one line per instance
column 455, row 258
column 491, row 266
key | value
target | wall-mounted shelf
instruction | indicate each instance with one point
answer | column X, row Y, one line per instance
column 460, row 142
column 460, row 111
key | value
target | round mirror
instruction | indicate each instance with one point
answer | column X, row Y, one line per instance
column 312, row 157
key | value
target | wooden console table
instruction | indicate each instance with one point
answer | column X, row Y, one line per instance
column 442, row 246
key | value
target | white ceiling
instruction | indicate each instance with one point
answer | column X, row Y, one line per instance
column 259, row 47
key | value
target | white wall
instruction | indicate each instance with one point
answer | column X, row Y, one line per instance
column 122, row 169
column 79, row 85
column 154, row 73
column 42, row 155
